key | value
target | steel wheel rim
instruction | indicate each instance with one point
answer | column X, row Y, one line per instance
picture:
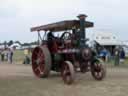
column 98, row 71
column 68, row 72
column 38, row 62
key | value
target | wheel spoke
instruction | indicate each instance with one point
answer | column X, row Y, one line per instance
column 39, row 53
column 99, row 74
column 66, row 67
column 38, row 68
column 36, row 53
column 41, row 59
column 42, row 67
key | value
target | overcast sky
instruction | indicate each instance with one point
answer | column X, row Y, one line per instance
column 18, row 16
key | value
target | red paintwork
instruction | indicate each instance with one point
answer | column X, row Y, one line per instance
column 38, row 69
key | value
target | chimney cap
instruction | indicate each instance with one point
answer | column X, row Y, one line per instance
column 82, row 16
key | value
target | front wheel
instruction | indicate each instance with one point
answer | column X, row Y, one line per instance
column 98, row 70
column 68, row 72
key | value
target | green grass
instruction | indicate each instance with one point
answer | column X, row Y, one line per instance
column 112, row 62
column 18, row 56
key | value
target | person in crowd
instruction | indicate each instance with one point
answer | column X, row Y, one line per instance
column 108, row 56
column 122, row 55
column 103, row 54
column 10, row 55
column 117, row 56
column 11, row 59
column 5, row 54
column 2, row 55
column 26, row 59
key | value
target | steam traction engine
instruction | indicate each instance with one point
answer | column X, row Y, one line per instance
column 67, row 53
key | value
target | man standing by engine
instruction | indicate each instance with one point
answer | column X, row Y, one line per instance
column 117, row 56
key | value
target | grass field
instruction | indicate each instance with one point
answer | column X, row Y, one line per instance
column 18, row 57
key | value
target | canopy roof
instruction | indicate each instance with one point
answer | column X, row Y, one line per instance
column 109, row 42
column 61, row 26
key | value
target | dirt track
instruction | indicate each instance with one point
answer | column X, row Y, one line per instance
column 18, row 80
column 15, row 70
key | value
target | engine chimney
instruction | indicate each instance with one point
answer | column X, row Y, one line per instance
column 82, row 19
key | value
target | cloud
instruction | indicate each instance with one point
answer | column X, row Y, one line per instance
column 18, row 16
column 8, row 9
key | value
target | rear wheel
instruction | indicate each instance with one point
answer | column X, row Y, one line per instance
column 68, row 72
column 41, row 61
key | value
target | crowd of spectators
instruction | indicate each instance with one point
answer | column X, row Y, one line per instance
column 119, row 55
column 6, row 55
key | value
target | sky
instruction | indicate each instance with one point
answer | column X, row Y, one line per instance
column 18, row 16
